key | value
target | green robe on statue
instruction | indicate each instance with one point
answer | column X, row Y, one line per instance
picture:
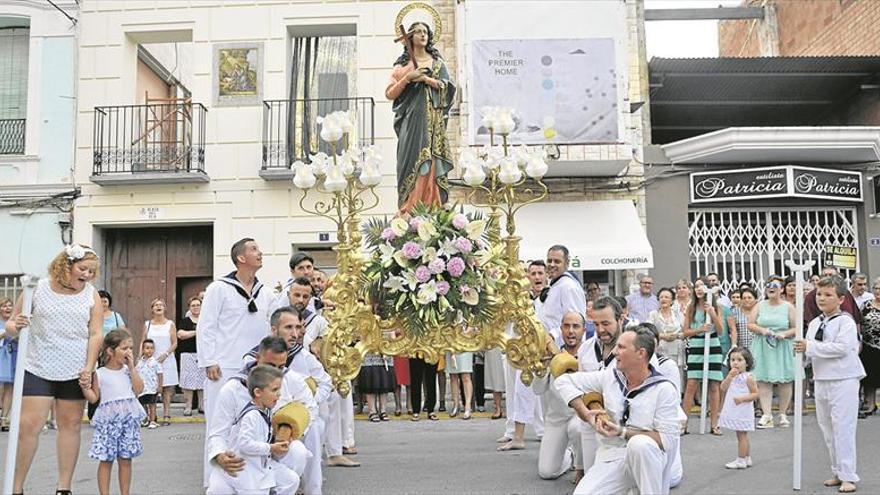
column 420, row 116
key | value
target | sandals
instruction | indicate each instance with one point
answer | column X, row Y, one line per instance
column 497, row 415
column 187, row 412
column 166, row 421
column 415, row 417
column 398, row 412
column 433, row 416
column 383, row 416
column 374, row 417
column 716, row 431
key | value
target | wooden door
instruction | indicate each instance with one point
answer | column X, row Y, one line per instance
column 146, row 263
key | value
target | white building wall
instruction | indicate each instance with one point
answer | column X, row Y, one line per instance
column 236, row 201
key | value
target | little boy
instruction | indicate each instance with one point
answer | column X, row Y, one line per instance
column 249, row 439
column 832, row 346
column 151, row 373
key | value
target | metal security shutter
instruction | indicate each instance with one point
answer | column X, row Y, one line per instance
column 750, row 244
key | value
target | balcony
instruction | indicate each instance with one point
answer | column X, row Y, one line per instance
column 291, row 133
column 12, row 136
column 149, row 144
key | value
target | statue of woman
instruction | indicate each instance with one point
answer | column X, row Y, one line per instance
column 423, row 93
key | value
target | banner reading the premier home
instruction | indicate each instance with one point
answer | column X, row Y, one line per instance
column 563, row 90
column 776, row 182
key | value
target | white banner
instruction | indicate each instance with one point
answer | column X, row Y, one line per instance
column 564, row 90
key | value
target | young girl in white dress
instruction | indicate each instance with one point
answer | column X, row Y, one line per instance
column 738, row 412
column 117, row 420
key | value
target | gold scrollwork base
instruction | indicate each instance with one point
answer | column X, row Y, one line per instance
column 354, row 330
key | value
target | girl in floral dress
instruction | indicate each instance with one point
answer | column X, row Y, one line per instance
column 115, row 387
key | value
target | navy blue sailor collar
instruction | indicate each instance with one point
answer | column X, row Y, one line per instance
column 655, row 378
column 237, row 285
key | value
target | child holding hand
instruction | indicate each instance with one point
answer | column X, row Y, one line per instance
column 114, row 387
column 738, row 413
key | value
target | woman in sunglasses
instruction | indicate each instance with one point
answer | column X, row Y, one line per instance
column 773, row 325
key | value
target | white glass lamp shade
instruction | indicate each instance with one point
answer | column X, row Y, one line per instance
column 335, row 181
column 304, row 178
column 505, row 123
column 370, row 175
column 509, row 173
column 536, row 167
column 474, row 175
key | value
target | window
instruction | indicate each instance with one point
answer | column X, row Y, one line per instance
column 10, row 286
column 14, row 43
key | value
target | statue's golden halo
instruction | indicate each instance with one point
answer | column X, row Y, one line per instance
column 421, row 12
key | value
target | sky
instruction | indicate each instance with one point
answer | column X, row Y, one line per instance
column 682, row 39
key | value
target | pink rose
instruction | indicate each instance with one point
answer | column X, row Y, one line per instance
column 414, row 223
column 460, row 221
column 464, row 245
column 388, row 234
column 412, row 250
column 437, row 266
column 455, row 267
column 423, row 274
column 442, row 288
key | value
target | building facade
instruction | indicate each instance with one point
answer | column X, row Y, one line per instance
column 190, row 113
column 37, row 100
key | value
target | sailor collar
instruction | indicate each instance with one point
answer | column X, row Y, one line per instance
column 237, row 285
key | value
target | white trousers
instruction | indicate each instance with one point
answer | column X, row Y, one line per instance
column 347, row 408
column 560, row 449
column 285, row 481
column 675, row 468
column 333, row 429
column 837, row 411
column 527, row 407
column 589, row 444
column 210, row 391
column 312, row 479
column 642, row 469
column 297, row 457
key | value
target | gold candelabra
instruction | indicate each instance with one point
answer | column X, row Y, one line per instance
column 356, row 330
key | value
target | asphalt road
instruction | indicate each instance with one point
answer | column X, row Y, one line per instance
column 455, row 456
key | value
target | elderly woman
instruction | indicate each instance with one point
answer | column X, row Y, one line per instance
column 64, row 339
column 870, row 354
column 670, row 324
column 773, row 322
column 192, row 377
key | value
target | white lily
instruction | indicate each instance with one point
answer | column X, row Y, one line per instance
column 427, row 293
column 410, row 279
column 475, row 229
column 399, row 226
column 386, row 254
column 427, row 230
column 394, row 284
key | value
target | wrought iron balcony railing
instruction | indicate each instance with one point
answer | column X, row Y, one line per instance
column 291, row 133
column 12, row 136
column 160, row 139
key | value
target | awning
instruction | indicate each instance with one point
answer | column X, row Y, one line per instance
column 600, row 235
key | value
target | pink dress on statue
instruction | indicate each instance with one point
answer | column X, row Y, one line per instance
column 738, row 417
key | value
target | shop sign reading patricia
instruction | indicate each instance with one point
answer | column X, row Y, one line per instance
column 776, row 182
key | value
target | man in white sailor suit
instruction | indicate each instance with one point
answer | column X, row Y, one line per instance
column 561, row 443
column 638, row 429
column 233, row 397
column 287, row 324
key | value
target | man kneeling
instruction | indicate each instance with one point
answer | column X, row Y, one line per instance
column 638, row 427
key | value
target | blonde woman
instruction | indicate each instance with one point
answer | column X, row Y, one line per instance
column 64, row 339
column 683, row 292
column 163, row 333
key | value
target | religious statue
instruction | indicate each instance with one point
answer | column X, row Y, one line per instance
column 423, row 92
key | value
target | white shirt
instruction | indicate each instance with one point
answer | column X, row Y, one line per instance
column 556, row 411
column 114, row 384
column 249, row 440
column 565, row 294
column 836, row 356
column 305, row 363
column 230, row 401
column 283, row 299
column 316, row 328
column 655, row 408
column 226, row 329
column 865, row 298
column 59, row 332
column 149, row 370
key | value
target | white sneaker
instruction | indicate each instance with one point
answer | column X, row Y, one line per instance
column 152, row 425
column 766, row 421
column 749, row 461
column 783, row 421
column 738, row 463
